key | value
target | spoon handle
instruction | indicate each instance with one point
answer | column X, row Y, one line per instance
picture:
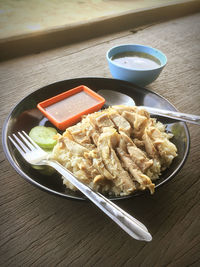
column 174, row 115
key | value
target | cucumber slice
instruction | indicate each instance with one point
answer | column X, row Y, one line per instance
column 43, row 136
column 45, row 170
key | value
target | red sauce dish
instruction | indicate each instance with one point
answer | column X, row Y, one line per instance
column 67, row 108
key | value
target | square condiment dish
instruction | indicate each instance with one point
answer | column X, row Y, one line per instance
column 65, row 109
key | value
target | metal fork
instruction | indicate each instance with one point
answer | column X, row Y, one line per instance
column 33, row 154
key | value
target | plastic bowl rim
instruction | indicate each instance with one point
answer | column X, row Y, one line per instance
column 136, row 45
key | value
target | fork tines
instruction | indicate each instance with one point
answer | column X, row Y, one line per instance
column 21, row 147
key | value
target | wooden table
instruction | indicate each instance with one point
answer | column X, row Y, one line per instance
column 40, row 229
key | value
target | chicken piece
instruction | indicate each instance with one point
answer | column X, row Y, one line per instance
column 74, row 147
column 149, row 146
column 139, row 143
column 138, row 118
column 97, row 161
column 107, row 140
column 137, row 121
column 99, row 164
column 120, row 122
column 101, row 119
column 78, row 134
column 91, row 129
column 143, row 112
column 96, row 168
column 136, row 154
column 121, row 108
column 166, row 149
column 77, row 161
column 74, row 162
column 143, row 180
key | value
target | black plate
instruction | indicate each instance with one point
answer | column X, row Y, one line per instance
column 25, row 115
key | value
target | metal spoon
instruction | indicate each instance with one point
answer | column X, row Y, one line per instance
column 116, row 98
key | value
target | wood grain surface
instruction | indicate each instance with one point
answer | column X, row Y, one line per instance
column 39, row 229
column 22, row 42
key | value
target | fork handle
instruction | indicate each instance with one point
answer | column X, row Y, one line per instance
column 129, row 224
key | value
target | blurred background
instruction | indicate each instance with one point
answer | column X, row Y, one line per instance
column 19, row 17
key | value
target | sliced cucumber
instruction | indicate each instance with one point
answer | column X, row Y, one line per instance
column 45, row 170
column 43, row 136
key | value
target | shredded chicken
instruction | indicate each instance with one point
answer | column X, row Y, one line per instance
column 116, row 151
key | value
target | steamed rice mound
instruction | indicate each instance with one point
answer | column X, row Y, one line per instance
column 116, row 151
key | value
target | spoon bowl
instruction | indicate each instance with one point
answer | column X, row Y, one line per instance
column 115, row 98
